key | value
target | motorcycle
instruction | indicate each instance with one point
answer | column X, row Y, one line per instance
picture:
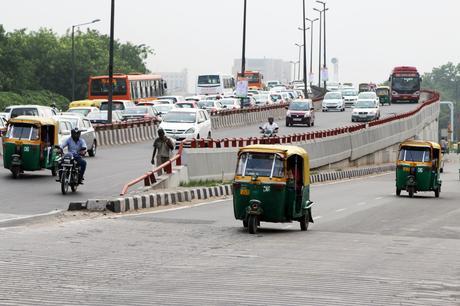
column 268, row 132
column 69, row 173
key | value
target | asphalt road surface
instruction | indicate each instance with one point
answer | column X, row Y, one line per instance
column 367, row 247
column 37, row 192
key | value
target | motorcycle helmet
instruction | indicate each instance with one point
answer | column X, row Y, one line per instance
column 75, row 134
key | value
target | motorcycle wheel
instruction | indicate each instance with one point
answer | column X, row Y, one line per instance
column 64, row 183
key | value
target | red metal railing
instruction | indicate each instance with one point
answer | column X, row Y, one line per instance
column 149, row 177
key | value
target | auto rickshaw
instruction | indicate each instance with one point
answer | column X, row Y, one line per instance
column 28, row 145
column 418, row 167
column 383, row 92
column 272, row 184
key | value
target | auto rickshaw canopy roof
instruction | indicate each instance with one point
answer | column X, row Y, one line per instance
column 40, row 121
column 420, row 143
column 387, row 88
column 284, row 150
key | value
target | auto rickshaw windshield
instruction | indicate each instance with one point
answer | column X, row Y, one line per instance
column 382, row 92
column 415, row 154
column 22, row 131
column 260, row 164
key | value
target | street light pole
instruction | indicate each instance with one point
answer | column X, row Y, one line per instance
column 311, row 46
column 112, row 16
column 319, row 45
column 295, row 70
column 300, row 51
column 243, row 56
column 324, row 34
column 305, row 91
column 73, row 53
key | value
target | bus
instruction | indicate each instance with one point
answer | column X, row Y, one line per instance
column 255, row 80
column 215, row 84
column 135, row 87
column 405, row 84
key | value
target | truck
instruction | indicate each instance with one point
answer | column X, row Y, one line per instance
column 405, row 84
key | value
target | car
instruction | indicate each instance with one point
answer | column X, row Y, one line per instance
column 300, row 111
column 193, row 98
column 84, row 110
column 139, row 112
column 87, row 130
column 210, row 105
column 117, row 104
column 164, row 101
column 273, row 83
column 65, row 127
column 186, row 104
column 163, row 109
column 29, row 110
column 350, row 96
column 278, row 88
column 286, row 97
column 101, row 117
column 367, row 108
column 262, row 99
column 174, row 98
column 333, row 101
column 248, row 101
column 187, row 123
column 253, row 92
column 2, row 126
column 230, row 103
column 277, row 98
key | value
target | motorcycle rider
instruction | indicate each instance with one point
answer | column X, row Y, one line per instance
column 77, row 147
column 270, row 126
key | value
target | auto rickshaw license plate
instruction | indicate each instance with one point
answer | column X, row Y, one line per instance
column 244, row 192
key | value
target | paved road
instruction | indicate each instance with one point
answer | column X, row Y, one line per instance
column 367, row 247
column 37, row 192
column 324, row 121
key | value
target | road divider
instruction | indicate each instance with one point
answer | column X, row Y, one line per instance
column 127, row 132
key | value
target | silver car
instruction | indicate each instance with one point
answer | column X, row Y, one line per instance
column 87, row 130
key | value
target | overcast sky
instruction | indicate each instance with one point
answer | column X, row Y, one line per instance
column 204, row 36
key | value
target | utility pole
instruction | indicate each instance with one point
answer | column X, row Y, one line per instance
column 311, row 48
column 110, row 104
column 243, row 56
column 305, row 90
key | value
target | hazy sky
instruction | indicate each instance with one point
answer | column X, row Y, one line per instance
column 368, row 37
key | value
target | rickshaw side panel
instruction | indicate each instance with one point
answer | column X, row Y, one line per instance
column 423, row 178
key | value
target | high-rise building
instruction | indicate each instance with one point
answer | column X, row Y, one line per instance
column 177, row 81
column 272, row 69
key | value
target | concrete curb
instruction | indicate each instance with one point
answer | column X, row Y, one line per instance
column 133, row 203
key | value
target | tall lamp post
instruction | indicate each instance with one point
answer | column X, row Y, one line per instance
column 73, row 53
column 319, row 44
column 243, row 56
column 109, row 102
column 294, row 64
column 324, row 34
column 311, row 47
column 300, row 51
column 305, row 91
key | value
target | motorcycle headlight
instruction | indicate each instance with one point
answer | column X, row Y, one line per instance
column 190, row 131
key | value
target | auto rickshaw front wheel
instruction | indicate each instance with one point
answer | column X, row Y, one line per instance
column 245, row 223
column 15, row 171
column 304, row 221
column 252, row 224
column 411, row 192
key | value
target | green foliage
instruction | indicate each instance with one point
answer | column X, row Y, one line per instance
column 42, row 60
column 446, row 80
column 40, row 97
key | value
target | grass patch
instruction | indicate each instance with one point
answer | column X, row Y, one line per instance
column 204, row 183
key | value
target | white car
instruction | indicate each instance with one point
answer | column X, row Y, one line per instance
column 29, row 110
column 174, row 98
column 65, row 127
column 87, row 130
column 210, row 105
column 187, row 123
column 230, row 103
column 163, row 109
column 333, row 101
column 367, row 107
column 262, row 99
column 84, row 110
column 350, row 96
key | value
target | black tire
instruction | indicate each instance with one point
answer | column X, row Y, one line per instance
column 436, row 192
column 441, row 170
column 93, row 150
column 305, row 221
column 15, row 172
column 398, row 192
column 64, row 183
column 74, row 187
column 54, row 171
column 411, row 192
column 245, row 223
column 209, row 135
column 313, row 123
column 287, row 123
column 252, row 224
column 198, row 136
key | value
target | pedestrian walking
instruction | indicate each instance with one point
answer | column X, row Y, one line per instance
column 162, row 148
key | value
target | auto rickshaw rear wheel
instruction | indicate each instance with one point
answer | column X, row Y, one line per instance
column 304, row 221
column 436, row 192
column 15, row 171
column 245, row 223
column 252, row 224
column 398, row 192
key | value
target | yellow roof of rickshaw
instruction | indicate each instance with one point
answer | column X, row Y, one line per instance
column 33, row 120
column 421, row 143
column 382, row 87
column 281, row 149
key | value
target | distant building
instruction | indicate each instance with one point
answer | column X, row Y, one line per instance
column 177, row 81
column 272, row 69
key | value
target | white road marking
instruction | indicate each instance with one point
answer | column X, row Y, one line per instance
column 361, row 203
column 53, row 212
column 317, row 217
column 341, row 209
column 379, row 198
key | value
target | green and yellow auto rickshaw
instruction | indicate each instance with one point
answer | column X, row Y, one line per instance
column 384, row 94
column 272, row 184
column 28, row 145
column 418, row 167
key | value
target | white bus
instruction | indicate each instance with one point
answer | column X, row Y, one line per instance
column 215, row 84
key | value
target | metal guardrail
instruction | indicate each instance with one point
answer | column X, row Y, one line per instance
column 149, row 177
